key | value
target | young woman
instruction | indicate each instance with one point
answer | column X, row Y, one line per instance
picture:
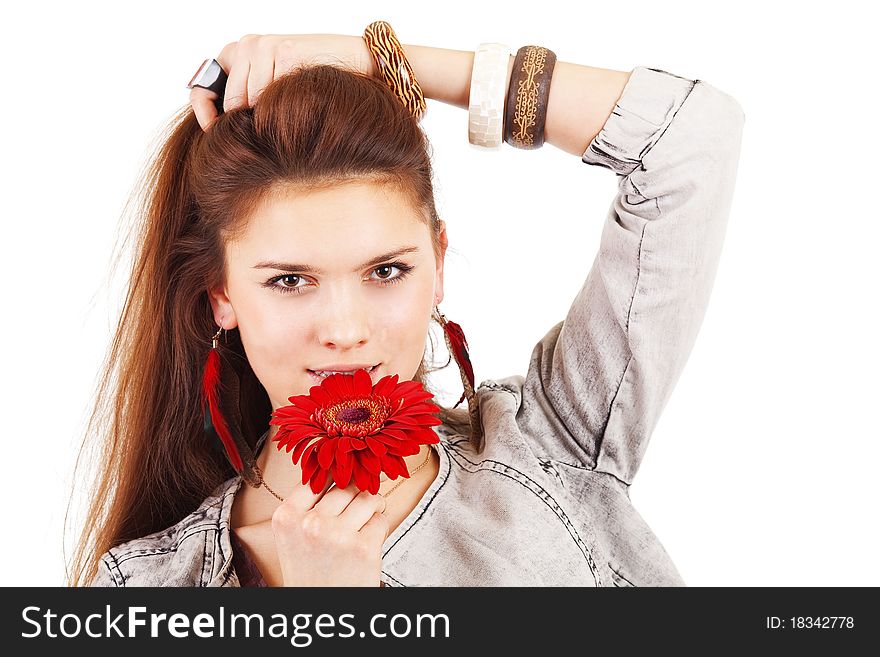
column 298, row 228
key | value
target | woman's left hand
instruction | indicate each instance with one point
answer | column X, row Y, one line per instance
column 257, row 59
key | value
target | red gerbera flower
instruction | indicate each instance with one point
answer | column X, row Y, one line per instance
column 348, row 428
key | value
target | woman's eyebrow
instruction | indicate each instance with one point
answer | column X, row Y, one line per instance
column 310, row 269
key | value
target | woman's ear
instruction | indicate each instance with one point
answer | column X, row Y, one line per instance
column 224, row 313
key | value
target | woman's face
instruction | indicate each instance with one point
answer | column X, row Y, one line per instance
column 314, row 284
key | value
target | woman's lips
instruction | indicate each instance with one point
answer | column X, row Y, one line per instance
column 373, row 374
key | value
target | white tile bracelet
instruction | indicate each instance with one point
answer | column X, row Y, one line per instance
column 488, row 94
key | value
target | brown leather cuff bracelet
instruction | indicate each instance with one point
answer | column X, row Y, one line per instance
column 526, row 108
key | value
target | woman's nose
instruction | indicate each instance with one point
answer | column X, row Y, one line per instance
column 344, row 322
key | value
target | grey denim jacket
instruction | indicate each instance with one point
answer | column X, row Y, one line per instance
column 546, row 501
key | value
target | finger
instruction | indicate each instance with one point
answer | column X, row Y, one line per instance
column 361, row 509
column 202, row 101
column 304, row 499
column 236, row 85
column 334, row 502
column 376, row 529
column 227, row 56
column 261, row 74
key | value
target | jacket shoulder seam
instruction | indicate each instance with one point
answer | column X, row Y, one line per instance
column 148, row 551
column 546, row 497
column 116, row 575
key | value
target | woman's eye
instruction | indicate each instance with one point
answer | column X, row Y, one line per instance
column 287, row 283
column 385, row 268
column 283, row 280
column 387, row 279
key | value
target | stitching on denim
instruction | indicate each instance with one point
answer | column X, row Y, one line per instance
column 593, row 470
column 615, row 574
column 190, row 531
column 547, row 466
column 219, row 544
column 186, row 532
column 202, row 579
column 227, row 576
column 548, row 499
column 149, row 552
column 394, row 579
column 498, row 386
column 427, row 504
column 110, row 561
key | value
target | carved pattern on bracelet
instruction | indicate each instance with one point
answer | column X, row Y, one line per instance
column 527, row 95
column 394, row 67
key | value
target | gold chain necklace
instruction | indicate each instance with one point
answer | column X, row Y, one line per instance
column 385, row 494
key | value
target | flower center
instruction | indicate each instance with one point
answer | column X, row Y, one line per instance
column 360, row 416
column 354, row 415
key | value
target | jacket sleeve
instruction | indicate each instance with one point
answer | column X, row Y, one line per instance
column 107, row 572
column 598, row 381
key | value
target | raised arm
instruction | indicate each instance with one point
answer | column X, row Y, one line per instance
column 602, row 377
column 581, row 97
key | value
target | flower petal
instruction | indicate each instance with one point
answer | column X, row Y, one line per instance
column 305, row 403
column 404, row 449
column 390, row 465
column 427, row 437
column 332, row 386
column 418, row 420
column 385, row 386
column 342, row 473
column 404, row 389
column 392, row 432
column 388, row 440
column 362, row 383
column 361, row 476
column 326, row 453
column 298, row 450
column 319, row 394
column 375, row 446
column 311, row 447
column 297, row 432
column 310, row 464
column 418, row 397
column 318, row 480
column 370, row 461
column 417, row 409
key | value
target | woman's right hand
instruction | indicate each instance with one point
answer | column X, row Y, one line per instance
column 333, row 538
column 258, row 59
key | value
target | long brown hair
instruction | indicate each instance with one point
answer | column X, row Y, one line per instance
column 315, row 126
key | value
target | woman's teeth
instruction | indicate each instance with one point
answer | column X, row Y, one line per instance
column 324, row 375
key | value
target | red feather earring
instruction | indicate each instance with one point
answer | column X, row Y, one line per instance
column 457, row 344
column 220, row 391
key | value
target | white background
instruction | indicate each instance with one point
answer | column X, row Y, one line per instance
column 763, row 467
